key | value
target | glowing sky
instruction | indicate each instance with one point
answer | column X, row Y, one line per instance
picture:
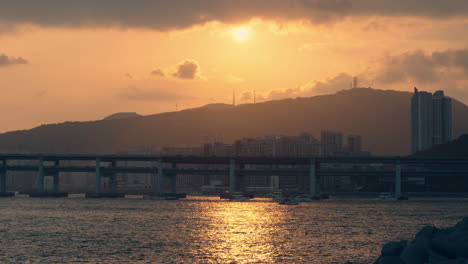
column 82, row 60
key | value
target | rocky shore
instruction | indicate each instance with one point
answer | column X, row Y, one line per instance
column 430, row 246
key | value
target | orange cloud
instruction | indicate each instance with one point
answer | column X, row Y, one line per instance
column 6, row 61
column 187, row 69
column 158, row 72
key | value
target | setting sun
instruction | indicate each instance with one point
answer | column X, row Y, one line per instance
column 241, row 33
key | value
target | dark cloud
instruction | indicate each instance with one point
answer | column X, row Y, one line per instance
column 139, row 94
column 166, row 15
column 129, row 76
column 452, row 58
column 158, row 72
column 6, row 61
column 423, row 68
column 188, row 69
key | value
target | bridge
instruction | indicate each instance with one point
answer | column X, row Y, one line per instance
column 168, row 168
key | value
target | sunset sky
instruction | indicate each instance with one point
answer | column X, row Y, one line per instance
column 63, row 60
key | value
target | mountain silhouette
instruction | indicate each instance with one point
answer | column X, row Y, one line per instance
column 121, row 115
column 382, row 117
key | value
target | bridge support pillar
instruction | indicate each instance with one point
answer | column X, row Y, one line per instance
column 42, row 173
column 57, row 178
column 313, row 179
column 57, row 182
column 112, row 179
column 158, row 184
column 100, row 172
column 3, row 181
column 232, row 175
column 161, row 177
column 174, row 180
column 41, row 176
column 98, row 176
column 398, row 179
column 154, row 182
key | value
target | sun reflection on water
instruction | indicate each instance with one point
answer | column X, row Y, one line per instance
column 239, row 232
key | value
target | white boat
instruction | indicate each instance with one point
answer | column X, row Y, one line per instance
column 387, row 197
column 384, row 195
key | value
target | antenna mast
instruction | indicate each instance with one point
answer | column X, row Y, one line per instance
column 233, row 97
column 255, row 96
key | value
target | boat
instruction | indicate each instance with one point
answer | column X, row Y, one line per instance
column 251, row 195
column 289, row 201
column 239, row 197
column 277, row 196
column 384, row 195
column 225, row 195
column 160, row 198
column 387, row 197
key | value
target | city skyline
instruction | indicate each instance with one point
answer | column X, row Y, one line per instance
column 382, row 118
column 330, row 143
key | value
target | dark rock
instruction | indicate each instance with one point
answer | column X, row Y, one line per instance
column 430, row 246
column 414, row 254
column 377, row 261
column 392, row 249
column 442, row 245
column 427, row 233
column 460, row 243
column 459, row 239
column 390, row 260
column 449, row 261
column 462, row 225
column 436, row 258
column 454, row 261
column 452, row 244
column 423, row 238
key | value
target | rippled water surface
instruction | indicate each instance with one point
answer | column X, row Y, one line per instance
column 207, row 230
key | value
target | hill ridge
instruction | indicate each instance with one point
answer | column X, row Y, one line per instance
column 382, row 117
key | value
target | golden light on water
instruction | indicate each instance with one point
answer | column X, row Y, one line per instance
column 240, row 232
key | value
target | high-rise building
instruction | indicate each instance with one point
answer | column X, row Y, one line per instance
column 332, row 142
column 442, row 118
column 354, row 143
column 421, row 120
column 431, row 119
